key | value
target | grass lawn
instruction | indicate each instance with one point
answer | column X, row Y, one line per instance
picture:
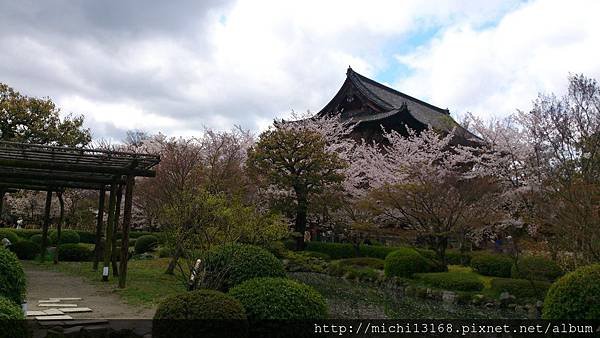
column 486, row 280
column 147, row 283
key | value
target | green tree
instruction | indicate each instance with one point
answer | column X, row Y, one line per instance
column 295, row 159
column 36, row 120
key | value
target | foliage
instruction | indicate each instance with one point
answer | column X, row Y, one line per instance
column 374, row 263
column 362, row 268
column 229, row 265
column 89, row 237
column 489, row 264
column 296, row 261
column 213, row 312
column 25, row 249
column 277, row 248
column 377, row 251
column 280, row 299
column 334, row 250
column 520, row 288
column 12, row 278
column 37, row 239
column 26, row 233
column 145, row 243
column 405, row 262
column 457, row 281
column 9, row 234
column 575, row 295
column 66, row 236
column 33, row 120
column 536, row 268
column 12, row 319
column 73, row 252
column 455, row 257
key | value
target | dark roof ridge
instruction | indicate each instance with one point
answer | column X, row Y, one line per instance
column 360, row 77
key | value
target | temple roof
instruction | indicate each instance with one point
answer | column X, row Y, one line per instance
column 388, row 103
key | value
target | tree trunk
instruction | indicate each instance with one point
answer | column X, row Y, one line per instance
column 61, row 219
column 115, row 253
column 301, row 212
column 173, row 262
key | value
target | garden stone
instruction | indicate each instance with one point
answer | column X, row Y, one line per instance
column 490, row 305
column 449, row 297
column 477, row 299
column 506, row 298
column 532, row 311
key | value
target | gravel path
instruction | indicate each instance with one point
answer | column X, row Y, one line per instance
column 44, row 284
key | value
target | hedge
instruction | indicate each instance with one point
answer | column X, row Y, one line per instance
column 334, row 250
column 455, row 257
column 66, row 236
column 12, row 320
column 489, row 264
column 520, row 288
column 457, row 281
column 12, row 277
column 37, row 239
column 207, row 313
column 27, row 233
column 145, row 243
column 9, row 234
column 72, row 252
column 576, row 295
column 374, row 263
column 376, row 251
column 536, row 268
column 404, row 262
column 299, row 261
column 25, row 249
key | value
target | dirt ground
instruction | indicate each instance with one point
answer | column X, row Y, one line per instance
column 43, row 284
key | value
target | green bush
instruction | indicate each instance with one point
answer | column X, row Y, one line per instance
column 334, row 250
column 576, row 295
column 374, row 263
column 12, row 320
column 404, row 262
column 290, row 244
column 37, row 239
column 489, row 264
column 536, row 268
column 376, row 251
column 86, row 237
column 26, row 233
column 145, row 243
column 230, row 265
column 72, row 252
column 520, row 288
column 12, row 277
column 457, row 281
column 277, row 248
column 164, row 252
column 362, row 268
column 8, row 233
column 25, row 249
column 280, row 299
column 455, row 257
column 299, row 261
column 207, row 313
column 66, row 237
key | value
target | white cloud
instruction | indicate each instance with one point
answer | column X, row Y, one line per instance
column 500, row 69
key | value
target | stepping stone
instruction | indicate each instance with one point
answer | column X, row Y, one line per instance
column 36, row 313
column 57, row 305
column 53, row 312
column 76, row 309
column 58, row 317
column 67, row 299
column 49, row 300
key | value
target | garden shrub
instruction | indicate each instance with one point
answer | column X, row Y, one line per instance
column 316, row 254
column 12, row 277
column 404, row 262
column 290, row 244
column 72, row 252
column 66, row 237
column 230, row 265
column 277, row 248
column 376, row 251
column 37, row 239
column 25, row 249
column 362, row 268
column 457, row 281
column 374, row 263
column 489, row 264
column 9, row 234
column 164, row 252
column 87, row 237
column 576, row 295
column 520, row 288
column 299, row 261
column 536, row 268
column 26, row 233
column 334, row 250
column 145, row 243
column 455, row 257
column 12, row 320
column 207, row 313
column 271, row 298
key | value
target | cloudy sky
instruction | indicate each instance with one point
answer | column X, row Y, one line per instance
column 177, row 66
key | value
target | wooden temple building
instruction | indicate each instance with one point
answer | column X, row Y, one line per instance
column 373, row 106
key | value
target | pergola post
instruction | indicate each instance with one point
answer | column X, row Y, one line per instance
column 46, row 225
column 115, row 268
column 61, row 219
column 109, row 231
column 126, row 225
column 99, row 222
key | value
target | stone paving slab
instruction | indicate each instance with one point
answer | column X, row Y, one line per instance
column 76, row 309
column 58, row 317
column 53, row 312
column 49, row 300
column 56, row 305
column 36, row 313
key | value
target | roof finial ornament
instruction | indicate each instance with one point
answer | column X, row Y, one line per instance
column 349, row 70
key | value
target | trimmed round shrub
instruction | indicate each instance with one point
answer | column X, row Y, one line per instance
column 374, row 263
column 12, row 277
column 66, row 236
column 455, row 257
column 576, row 295
column 145, row 243
column 279, row 299
column 520, row 288
column 72, row 252
column 26, row 233
column 205, row 313
column 489, row 264
column 37, row 239
column 404, row 262
column 334, row 250
column 12, row 320
column 86, row 237
column 377, row 251
column 457, row 281
column 229, row 265
column 25, row 249
column 9, row 234
column 536, row 268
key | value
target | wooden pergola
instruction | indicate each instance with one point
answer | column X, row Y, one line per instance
column 54, row 169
